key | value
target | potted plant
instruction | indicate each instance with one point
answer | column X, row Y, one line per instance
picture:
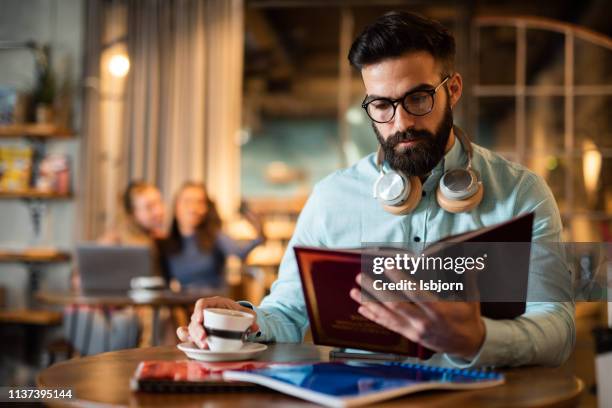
column 43, row 94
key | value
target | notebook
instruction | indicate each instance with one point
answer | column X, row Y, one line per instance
column 327, row 276
column 351, row 384
column 190, row 376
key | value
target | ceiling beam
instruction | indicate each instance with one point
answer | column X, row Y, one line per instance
column 266, row 39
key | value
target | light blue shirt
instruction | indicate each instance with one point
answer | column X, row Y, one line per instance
column 341, row 213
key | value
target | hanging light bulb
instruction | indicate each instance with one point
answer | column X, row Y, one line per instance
column 591, row 166
column 119, row 65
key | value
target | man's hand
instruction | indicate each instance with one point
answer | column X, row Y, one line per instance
column 443, row 326
column 195, row 331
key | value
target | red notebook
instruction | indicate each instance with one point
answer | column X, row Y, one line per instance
column 328, row 275
column 190, row 376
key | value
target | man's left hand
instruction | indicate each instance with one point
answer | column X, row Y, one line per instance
column 443, row 326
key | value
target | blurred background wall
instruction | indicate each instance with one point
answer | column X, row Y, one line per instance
column 58, row 24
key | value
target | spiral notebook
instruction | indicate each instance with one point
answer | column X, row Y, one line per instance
column 350, row 384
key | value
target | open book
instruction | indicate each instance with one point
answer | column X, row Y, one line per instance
column 356, row 383
column 328, row 275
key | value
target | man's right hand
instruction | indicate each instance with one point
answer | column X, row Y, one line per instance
column 195, row 331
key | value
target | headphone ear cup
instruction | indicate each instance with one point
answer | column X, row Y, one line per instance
column 416, row 190
column 457, row 206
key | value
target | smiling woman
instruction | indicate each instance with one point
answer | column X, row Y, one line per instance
column 196, row 249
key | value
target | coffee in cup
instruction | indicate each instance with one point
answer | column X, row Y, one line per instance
column 226, row 329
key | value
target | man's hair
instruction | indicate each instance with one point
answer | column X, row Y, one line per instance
column 134, row 188
column 397, row 33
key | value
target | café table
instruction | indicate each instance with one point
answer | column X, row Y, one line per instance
column 104, row 379
column 107, row 301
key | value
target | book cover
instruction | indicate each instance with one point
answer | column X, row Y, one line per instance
column 162, row 376
column 15, row 168
column 328, row 275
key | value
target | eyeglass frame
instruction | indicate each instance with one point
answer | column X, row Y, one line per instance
column 396, row 102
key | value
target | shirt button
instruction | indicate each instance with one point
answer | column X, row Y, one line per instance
column 417, row 239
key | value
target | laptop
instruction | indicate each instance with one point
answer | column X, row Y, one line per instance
column 110, row 268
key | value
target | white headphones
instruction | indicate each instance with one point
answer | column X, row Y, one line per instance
column 459, row 190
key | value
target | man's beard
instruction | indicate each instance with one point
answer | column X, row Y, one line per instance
column 421, row 157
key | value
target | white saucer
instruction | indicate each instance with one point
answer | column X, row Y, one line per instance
column 248, row 351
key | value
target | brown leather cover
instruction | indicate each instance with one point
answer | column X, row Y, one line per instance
column 327, row 278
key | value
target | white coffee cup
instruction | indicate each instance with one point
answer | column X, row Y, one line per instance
column 147, row 283
column 226, row 328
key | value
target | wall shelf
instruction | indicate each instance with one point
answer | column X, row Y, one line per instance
column 34, row 256
column 35, row 130
column 34, row 194
column 35, row 261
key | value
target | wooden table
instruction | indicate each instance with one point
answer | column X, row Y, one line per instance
column 114, row 299
column 109, row 300
column 104, row 379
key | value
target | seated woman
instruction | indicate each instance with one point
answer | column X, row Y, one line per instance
column 196, row 250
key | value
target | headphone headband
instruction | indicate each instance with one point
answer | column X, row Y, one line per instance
column 379, row 158
column 466, row 143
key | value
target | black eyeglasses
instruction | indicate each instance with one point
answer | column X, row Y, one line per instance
column 418, row 103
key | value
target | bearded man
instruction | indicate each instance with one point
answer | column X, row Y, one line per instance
column 407, row 66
